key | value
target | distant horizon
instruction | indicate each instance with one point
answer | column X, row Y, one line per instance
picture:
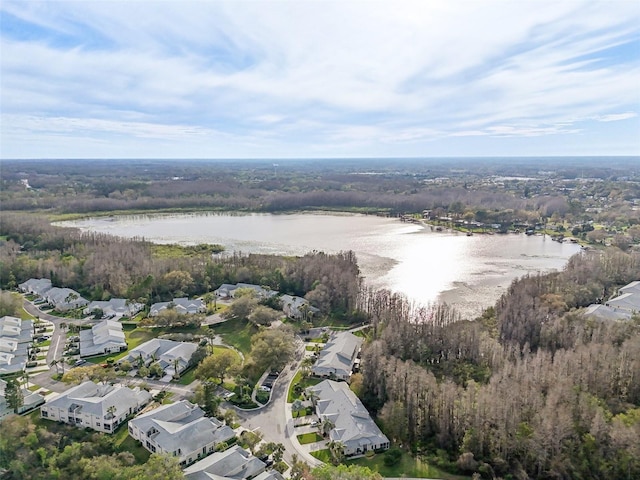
column 268, row 159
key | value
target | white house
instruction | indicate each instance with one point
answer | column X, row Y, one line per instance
column 181, row 305
column 297, row 307
column 104, row 337
column 228, row 291
column 30, row 401
column 338, row 356
column 63, row 299
column 621, row 307
column 16, row 336
column 167, row 353
column 36, row 286
column 352, row 425
column 100, row 407
column 114, row 308
column 234, row 463
column 179, row 429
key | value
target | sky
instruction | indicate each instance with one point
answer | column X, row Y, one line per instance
column 317, row 79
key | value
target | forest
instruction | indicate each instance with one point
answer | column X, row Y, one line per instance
column 101, row 266
column 529, row 390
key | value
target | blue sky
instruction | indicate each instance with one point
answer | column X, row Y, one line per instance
column 305, row 78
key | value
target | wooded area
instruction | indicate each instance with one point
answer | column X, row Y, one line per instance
column 101, row 266
column 531, row 389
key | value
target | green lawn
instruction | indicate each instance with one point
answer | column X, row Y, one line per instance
column 123, row 442
column 323, row 455
column 134, row 338
column 408, row 466
column 309, row 438
column 297, row 379
column 237, row 333
column 188, row 377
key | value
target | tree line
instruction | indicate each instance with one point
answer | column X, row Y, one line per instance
column 102, row 266
column 530, row 390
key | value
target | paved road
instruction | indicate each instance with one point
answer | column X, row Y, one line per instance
column 58, row 339
column 272, row 420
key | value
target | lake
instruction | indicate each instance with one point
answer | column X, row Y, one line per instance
column 468, row 272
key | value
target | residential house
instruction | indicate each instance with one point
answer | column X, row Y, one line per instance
column 621, row 307
column 228, row 291
column 352, row 425
column 297, row 308
column 337, row 358
column 30, row 401
column 114, row 308
column 603, row 312
column 168, row 353
column 16, row 337
column 235, row 463
column 181, row 305
column 103, row 338
column 63, row 299
column 96, row 406
column 179, row 429
column 36, row 286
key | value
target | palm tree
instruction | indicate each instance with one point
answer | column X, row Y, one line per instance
column 337, row 451
column 326, row 426
column 25, row 375
column 112, row 411
column 54, row 363
column 176, row 364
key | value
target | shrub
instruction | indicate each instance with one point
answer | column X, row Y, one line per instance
column 392, row 456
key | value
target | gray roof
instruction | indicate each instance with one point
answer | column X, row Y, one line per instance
column 95, row 399
column 59, row 297
column 105, row 334
column 38, row 286
column 338, row 354
column 291, row 305
column 182, row 425
column 181, row 305
column 235, row 463
column 16, row 336
column 165, row 351
column 605, row 313
column 626, row 301
column 226, row 290
column 116, row 307
column 633, row 287
column 353, row 425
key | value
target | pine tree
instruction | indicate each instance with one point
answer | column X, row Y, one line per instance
column 13, row 395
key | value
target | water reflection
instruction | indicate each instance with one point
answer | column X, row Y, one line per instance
column 470, row 272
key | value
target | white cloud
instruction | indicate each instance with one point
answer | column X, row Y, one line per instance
column 615, row 117
column 356, row 74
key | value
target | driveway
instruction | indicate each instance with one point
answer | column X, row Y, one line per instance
column 274, row 419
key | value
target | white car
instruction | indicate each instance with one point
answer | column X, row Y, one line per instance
column 265, row 389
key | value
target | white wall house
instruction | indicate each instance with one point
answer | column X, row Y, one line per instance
column 234, row 463
column 353, row 426
column 297, row 307
column 179, row 429
column 114, row 308
column 621, row 307
column 16, row 337
column 167, row 353
column 36, row 286
column 91, row 405
column 103, row 338
column 63, row 299
column 181, row 305
column 229, row 291
column 338, row 356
